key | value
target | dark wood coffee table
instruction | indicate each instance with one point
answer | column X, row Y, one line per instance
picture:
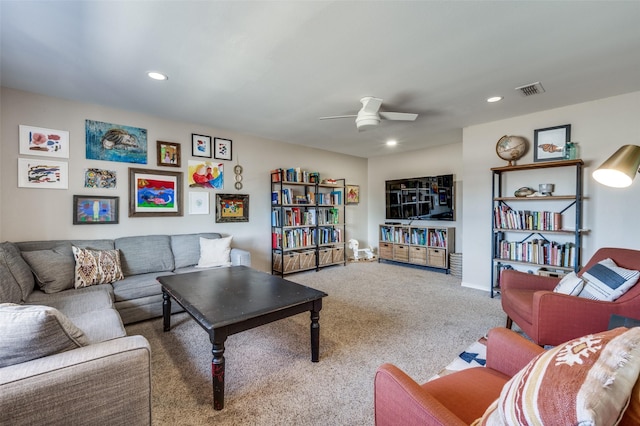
column 226, row 301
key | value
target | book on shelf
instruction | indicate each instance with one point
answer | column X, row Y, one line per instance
column 276, row 175
column 507, row 218
column 538, row 251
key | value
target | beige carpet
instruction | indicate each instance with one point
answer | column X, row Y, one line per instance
column 375, row 313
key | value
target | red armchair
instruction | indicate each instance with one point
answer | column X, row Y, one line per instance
column 455, row 399
column 550, row 318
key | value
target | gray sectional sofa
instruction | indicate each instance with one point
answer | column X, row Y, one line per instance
column 76, row 365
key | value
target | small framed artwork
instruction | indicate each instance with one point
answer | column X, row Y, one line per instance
column 168, row 154
column 95, row 210
column 205, row 174
column 154, row 193
column 42, row 173
column 198, row 202
column 200, row 145
column 99, row 178
column 222, row 149
column 45, row 142
column 232, row 208
column 353, row 194
column 549, row 143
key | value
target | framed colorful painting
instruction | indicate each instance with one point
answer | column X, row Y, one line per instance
column 232, row 208
column 42, row 173
column 205, row 174
column 168, row 154
column 222, row 149
column 154, row 193
column 115, row 142
column 44, row 142
column 200, row 145
column 95, row 210
column 353, row 194
column 99, row 178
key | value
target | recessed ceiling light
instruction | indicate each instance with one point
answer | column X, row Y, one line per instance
column 392, row 142
column 157, row 76
column 495, row 99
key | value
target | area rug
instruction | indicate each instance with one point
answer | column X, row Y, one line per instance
column 473, row 356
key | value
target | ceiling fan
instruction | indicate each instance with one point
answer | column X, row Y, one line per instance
column 370, row 115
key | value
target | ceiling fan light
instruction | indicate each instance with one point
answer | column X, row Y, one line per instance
column 157, row 75
column 494, row 99
column 619, row 170
column 392, row 142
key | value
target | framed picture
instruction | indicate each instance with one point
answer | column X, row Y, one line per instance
column 168, row 154
column 549, row 143
column 42, row 173
column 205, row 174
column 115, row 142
column 45, row 142
column 232, row 208
column 198, row 203
column 99, row 178
column 222, row 149
column 95, row 210
column 200, row 145
column 154, row 193
column 353, row 194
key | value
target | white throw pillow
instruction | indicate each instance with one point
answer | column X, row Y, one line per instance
column 607, row 281
column 215, row 252
column 570, row 284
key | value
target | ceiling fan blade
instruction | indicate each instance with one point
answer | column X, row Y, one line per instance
column 370, row 104
column 337, row 116
column 398, row 116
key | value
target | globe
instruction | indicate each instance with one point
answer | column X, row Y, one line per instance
column 511, row 148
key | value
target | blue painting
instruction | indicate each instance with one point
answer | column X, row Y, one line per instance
column 114, row 142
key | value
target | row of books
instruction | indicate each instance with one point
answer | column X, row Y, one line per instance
column 507, row 218
column 295, row 216
column 329, row 235
column 288, row 196
column 294, row 174
column 333, row 198
column 538, row 251
column 436, row 237
column 304, row 237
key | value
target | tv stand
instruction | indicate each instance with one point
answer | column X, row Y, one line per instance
column 427, row 246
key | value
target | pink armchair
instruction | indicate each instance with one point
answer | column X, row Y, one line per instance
column 455, row 399
column 550, row 318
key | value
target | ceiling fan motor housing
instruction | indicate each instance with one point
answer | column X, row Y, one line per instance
column 367, row 120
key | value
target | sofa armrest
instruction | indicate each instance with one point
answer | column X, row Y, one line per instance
column 103, row 383
column 510, row 278
column 399, row 400
column 508, row 352
column 240, row 257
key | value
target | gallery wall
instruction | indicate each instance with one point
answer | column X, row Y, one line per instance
column 43, row 214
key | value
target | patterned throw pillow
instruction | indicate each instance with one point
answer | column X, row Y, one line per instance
column 570, row 284
column 586, row 381
column 96, row 267
column 607, row 281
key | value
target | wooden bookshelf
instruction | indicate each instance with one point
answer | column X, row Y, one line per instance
column 427, row 246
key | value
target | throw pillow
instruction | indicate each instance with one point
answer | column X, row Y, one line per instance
column 31, row 331
column 96, row 267
column 216, row 252
column 18, row 268
column 586, row 381
column 570, row 284
column 53, row 268
column 607, row 281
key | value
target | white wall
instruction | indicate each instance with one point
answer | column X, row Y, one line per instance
column 41, row 214
column 600, row 127
column 428, row 162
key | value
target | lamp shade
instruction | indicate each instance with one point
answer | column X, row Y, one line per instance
column 619, row 169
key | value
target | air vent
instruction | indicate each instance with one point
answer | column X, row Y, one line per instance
column 531, row 89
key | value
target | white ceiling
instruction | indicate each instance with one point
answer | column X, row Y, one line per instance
column 272, row 68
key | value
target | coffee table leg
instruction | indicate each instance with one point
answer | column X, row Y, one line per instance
column 315, row 330
column 166, row 310
column 217, row 374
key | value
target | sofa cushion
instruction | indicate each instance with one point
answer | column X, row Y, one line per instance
column 186, row 248
column 96, row 267
column 30, row 332
column 137, row 286
column 75, row 302
column 19, row 269
column 586, row 381
column 149, row 253
column 10, row 291
column 607, row 281
column 100, row 325
column 215, row 252
column 53, row 268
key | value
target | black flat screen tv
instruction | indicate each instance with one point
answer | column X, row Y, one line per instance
column 420, row 198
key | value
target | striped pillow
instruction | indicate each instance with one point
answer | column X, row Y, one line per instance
column 586, row 381
column 607, row 281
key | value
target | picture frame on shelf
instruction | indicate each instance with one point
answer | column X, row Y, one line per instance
column 95, row 210
column 168, row 154
column 222, row 149
column 232, row 208
column 42, row 173
column 200, row 145
column 44, row 142
column 154, row 193
column 549, row 143
column 353, row 194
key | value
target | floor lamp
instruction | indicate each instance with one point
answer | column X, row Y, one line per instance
column 619, row 169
